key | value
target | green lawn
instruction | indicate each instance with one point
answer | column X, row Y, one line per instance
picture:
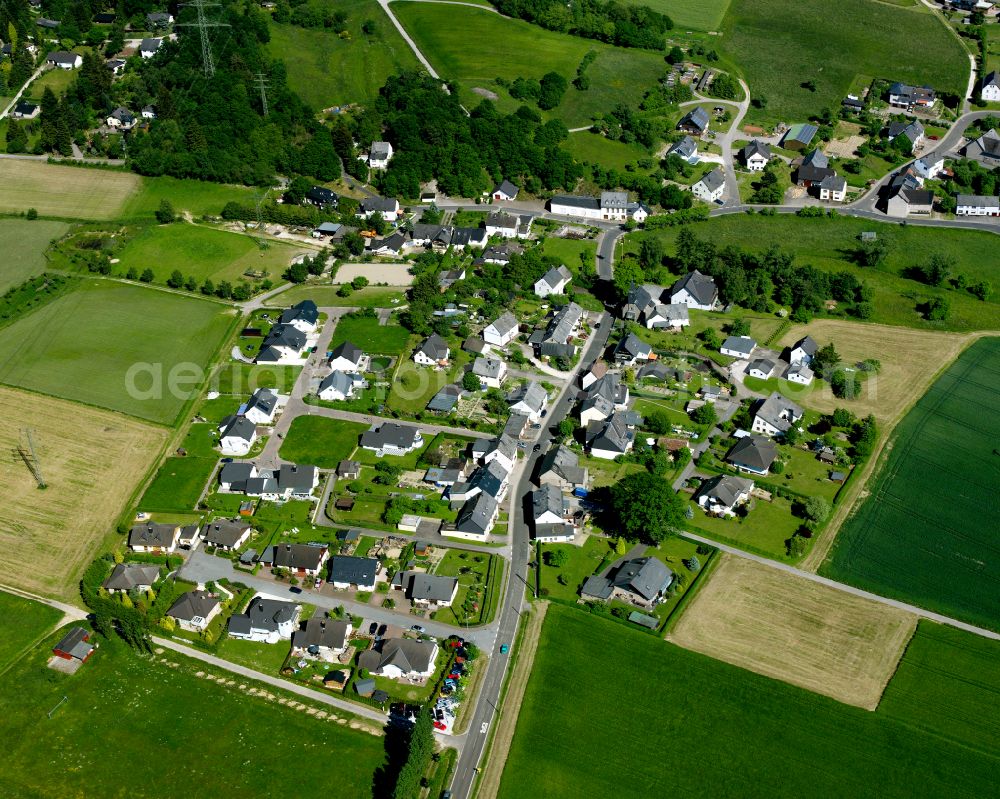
column 781, row 43
column 927, row 531
column 23, row 621
column 479, row 580
column 203, row 252
column 718, row 730
column 829, row 242
column 118, row 699
column 198, row 197
column 597, row 149
column 128, row 348
column 320, row 441
column 326, row 296
column 764, row 530
column 367, row 333
column 58, row 80
column 268, row 658
column 23, row 245
column 702, row 15
column 473, row 47
column 242, row 379
column 178, row 484
column 326, row 70
column 577, row 254
column 582, row 562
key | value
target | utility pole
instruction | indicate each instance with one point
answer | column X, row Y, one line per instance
column 262, row 84
column 30, row 457
column 203, row 24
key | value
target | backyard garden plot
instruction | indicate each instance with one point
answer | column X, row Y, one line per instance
column 23, row 245
column 91, row 460
column 473, row 47
column 116, row 346
column 762, row 737
column 793, row 629
column 779, row 44
column 169, row 704
column 328, row 296
column 64, row 191
column 926, row 530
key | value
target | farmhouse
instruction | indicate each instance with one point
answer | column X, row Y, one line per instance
column 553, row 282
column 266, row 620
column 753, row 454
column 154, row 537
column 710, row 187
column 813, row 170
column 353, row 573
column 321, row 637
column 560, row 467
column 755, row 155
column 226, row 534
column 989, row 88
column 390, row 438
column 261, row 407
column 641, row 581
column 695, row 290
column 798, row 137
column 237, row 435
column 505, row 191
column 398, row 658
column 132, row 577
column 502, row 330
column 64, row 60
column 149, row 47
column 609, row 438
column 976, row 205
column 903, row 96
column 904, row 197
column 686, row 149
column 426, row 590
column 338, row 386
column 379, row 154
column 611, row 206
column 651, row 306
column 529, row 400
column 301, row 559
column 722, row 494
column 738, row 346
column 774, row 415
column 195, row 610
column 508, row 226
column 75, row 645
column 433, row 352
column 694, row 121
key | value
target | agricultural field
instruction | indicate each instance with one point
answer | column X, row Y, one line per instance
column 117, row 698
column 320, row 441
column 925, row 530
column 92, row 460
column 64, row 191
column 116, row 346
column 762, row 737
column 829, row 242
column 780, row 43
column 326, row 70
column 202, row 252
column 33, row 620
column 367, row 333
column 473, row 47
column 23, row 245
column 790, row 628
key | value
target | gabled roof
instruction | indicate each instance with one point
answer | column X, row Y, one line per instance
column 802, row 133
column 348, row 350
column 151, row 534
column 62, row 57
column 305, row 311
column 296, row 477
column 224, row 532
column 713, row 180
column 380, row 149
column 775, row 409
column 756, row 147
column 547, row 499
column 501, row 219
column 427, row 587
column 726, row 489
column 123, row 115
column 506, row 187
column 446, row 398
column 610, row 434
column 264, row 400
column 337, row 380
column 754, row 451
column 477, row 514
column 435, row 348
column 284, row 335
column 392, row 434
column 685, row 148
column 321, row 631
column 150, row 45
column 807, row 344
column 488, row 367
column 562, row 462
column 741, row 344
column 701, row 287
column 834, row 183
column 504, row 324
column 240, row 427
column 646, row 577
column 555, row 276
column 237, row 472
column 696, row 117
column 294, row 556
column 634, row 346
column 403, row 653
column 532, row 394
column 385, row 205
column 269, row 614
column 993, row 79
column 74, row 643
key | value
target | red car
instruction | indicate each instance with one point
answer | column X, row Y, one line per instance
column 439, row 726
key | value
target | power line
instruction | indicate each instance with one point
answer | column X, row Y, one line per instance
column 262, row 84
column 203, row 24
column 30, row 457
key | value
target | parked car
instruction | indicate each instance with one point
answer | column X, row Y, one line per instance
column 295, row 590
column 373, row 628
column 536, row 447
column 439, row 726
column 418, row 629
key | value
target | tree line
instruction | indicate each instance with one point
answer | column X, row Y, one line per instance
column 611, row 22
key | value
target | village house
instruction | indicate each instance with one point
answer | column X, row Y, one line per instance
column 491, row 478
column 283, row 345
column 756, row 155
column 338, row 386
column 390, row 438
column 985, row 149
column 639, row 581
column 154, row 537
column 694, row 121
column 761, row 368
column 501, row 448
column 490, row 371
column 321, row 197
column 64, row 60
column 738, row 347
column 226, row 534
column 685, row 149
column 832, row 188
column 121, row 119
column 400, row 658
column 127, row 577
column 426, row 590
column 195, row 610
column 976, row 205
column 237, row 435
column 609, row 438
column 26, row 110
column 505, row 191
column 554, row 341
column 351, row 573
column 723, row 494
column 911, row 130
column 631, row 349
column 560, row 467
column 434, row 351
column 322, row 638
column 904, row 197
column 502, row 330
column 929, row 165
column 508, row 226
column 612, row 206
column 529, row 400
column 149, row 47
column 261, row 407
column 813, row 170
column 803, row 350
column 596, row 371
column 603, row 398
column 445, row 400
column 695, row 290
column 476, row 518
column 775, row 415
column 303, row 316
column 158, row 19
column 379, row 154
column 553, row 282
column 650, row 305
column 753, row 454
column 462, row 237
column 711, row 186
column 989, row 88
column 388, row 207
column 903, row 96
column 799, row 373
column 265, row 620
column 348, row 357
column 304, row 560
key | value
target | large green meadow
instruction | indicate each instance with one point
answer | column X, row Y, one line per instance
column 23, row 245
column 22, row 621
column 780, row 44
column 829, row 242
column 666, row 720
column 701, row 15
column 927, row 532
column 473, row 47
column 149, row 727
column 115, row 346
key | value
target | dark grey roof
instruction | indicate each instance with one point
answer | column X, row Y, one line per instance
column 445, row 399
column 741, row 344
column 283, row 335
column 756, row 147
column 391, row 434
column 562, row 462
column 435, row 347
column 555, row 276
column 294, row 556
column 123, row 115
column 193, row 604
column 321, row 631
column 347, row 350
column 685, row 148
column 240, row 427
column 713, row 180
column 701, row 287
column 464, row 236
column 43, row 22
column 488, row 367
column 380, row 149
column 596, row 586
column 993, row 79
column 547, row 499
column 151, row 534
column 297, row 477
column 501, row 219
column 697, row 117
column 560, row 326
column 506, row 187
column 235, row 473
column 976, row 200
column 404, row 653
column 126, row 576
column 505, row 323
column 24, row 108
column 266, row 614
column 646, row 577
column 347, row 569
column 263, row 400
column 634, row 346
column 320, row 195
column 477, row 514
column 148, row 45
column 657, row 370
column 63, row 58
column 305, row 311
column 756, row 452
column 339, row 381
column 611, row 434
column 760, row 365
column 429, row 587
column 833, row 183
column 74, row 643
column 807, row 344
column 575, row 201
column 532, row 394
column 725, row 488
column 384, row 205
column 224, row 532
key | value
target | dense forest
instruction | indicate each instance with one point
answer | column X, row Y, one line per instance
column 615, row 23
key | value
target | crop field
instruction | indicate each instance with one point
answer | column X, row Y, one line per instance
column 795, row 630
column 91, row 460
column 132, row 349
column 205, row 253
column 828, row 242
column 677, row 709
column 118, row 699
column 327, row 70
column 320, row 441
column 23, row 245
column 64, row 191
column 472, row 47
column 367, row 333
column 926, row 530
column 781, row 43
column 33, row 620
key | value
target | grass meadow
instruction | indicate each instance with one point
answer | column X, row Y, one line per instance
column 23, row 245
column 473, row 47
column 701, row 15
column 326, row 296
column 926, row 533
column 367, row 333
column 320, row 441
column 829, row 242
column 779, row 44
column 26, row 622
column 327, row 70
column 710, row 729
column 234, row 745
column 197, row 197
column 91, row 344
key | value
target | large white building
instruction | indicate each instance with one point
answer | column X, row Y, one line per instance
column 612, row 206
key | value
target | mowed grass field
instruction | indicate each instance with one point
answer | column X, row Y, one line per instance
column 31, row 621
column 793, row 629
column 116, row 346
column 92, row 460
column 204, row 252
column 708, row 729
column 702, row 15
column 367, row 333
column 326, row 70
column 320, row 441
column 23, row 245
column 781, row 43
column 64, row 191
column 473, row 46
column 234, row 745
column 926, row 531
column 828, row 243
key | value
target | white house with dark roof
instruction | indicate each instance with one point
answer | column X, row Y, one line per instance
column 832, row 188
column 26, row 110
column 265, row 620
column 426, row 590
column 753, row 454
column 640, row 581
column 711, row 186
column 195, row 610
column 611, row 206
column 475, row 520
column 799, row 373
column 686, row 149
column 132, row 577
column 154, row 537
column 348, row 572
column 390, row 438
column 301, row 559
column 755, row 155
column 262, row 406
column 738, row 346
column 508, row 226
column 303, row 316
column 976, row 205
column 553, row 282
column 695, row 290
column 985, row 149
column 339, row 386
column 283, row 345
column 761, row 368
column 560, row 466
column 505, row 191
column 803, row 350
column 631, row 349
column 609, row 438
column 528, row 399
column 902, row 95
column 226, row 534
column 322, row 638
column 989, row 88
column 911, row 130
column 379, row 154
column 64, row 60
column 237, row 435
column 929, row 165
column 721, row 495
column 400, row 658
column 502, row 330
column 775, row 415
column 434, row 351
column 149, row 47
column 490, row 371
column 348, row 357
column 387, row 206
